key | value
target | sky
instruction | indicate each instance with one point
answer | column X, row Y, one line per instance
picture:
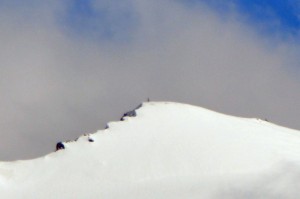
column 69, row 67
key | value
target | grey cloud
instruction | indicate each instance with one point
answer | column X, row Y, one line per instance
column 56, row 87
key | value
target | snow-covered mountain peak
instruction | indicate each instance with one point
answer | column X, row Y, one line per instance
column 164, row 150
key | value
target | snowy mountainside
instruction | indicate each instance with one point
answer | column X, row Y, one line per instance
column 165, row 150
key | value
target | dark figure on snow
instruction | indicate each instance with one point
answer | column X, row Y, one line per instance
column 60, row 146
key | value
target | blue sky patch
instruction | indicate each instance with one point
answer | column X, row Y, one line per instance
column 279, row 17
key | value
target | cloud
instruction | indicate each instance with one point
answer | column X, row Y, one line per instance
column 58, row 82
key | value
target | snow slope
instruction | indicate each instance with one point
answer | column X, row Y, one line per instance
column 168, row 150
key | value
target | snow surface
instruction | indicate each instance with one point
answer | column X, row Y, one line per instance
column 169, row 150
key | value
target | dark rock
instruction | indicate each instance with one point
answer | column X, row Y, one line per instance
column 129, row 114
column 90, row 140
